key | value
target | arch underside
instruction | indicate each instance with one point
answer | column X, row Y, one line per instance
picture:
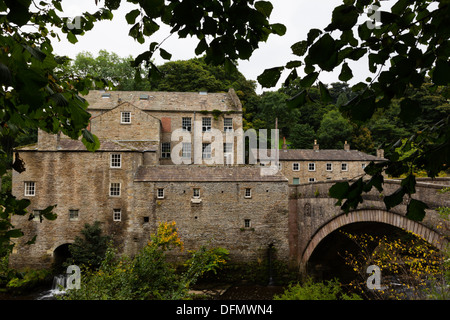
column 369, row 215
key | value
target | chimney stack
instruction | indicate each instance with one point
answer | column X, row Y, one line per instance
column 380, row 153
column 284, row 144
column 316, row 146
column 346, row 146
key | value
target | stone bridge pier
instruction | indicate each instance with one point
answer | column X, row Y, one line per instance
column 313, row 216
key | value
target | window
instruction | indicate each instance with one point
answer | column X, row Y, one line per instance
column 186, row 124
column 295, row 166
column 114, row 189
column 196, row 193
column 116, row 161
column 247, row 223
column 206, row 151
column 329, row 167
column 186, row 150
column 312, row 179
column 117, row 214
column 146, row 219
column 165, row 150
column 248, row 193
column 228, row 153
column 30, row 188
column 295, row 180
column 160, row 193
column 206, row 124
column 125, row 117
column 36, row 215
column 363, row 165
column 73, row 215
column 311, row 166
column 344, row 167
column 227, row 124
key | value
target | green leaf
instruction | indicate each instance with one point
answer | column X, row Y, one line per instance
column 308, row 81
column 90, row 141
column 312, row 35
column 416, row 210
column 344, row 18
column 394, row 199
column 346, row 73
column 299, row 48
column 71, row 37
column 325, row 95
column 201, row 47
column 298, row 100
column 19, row 12
column 409, row 184
column 132, row 15
column 164, row 54
column 323, row 53
column 339, row 190
column 14, row 233
column 265, row 7
column 441, row 73
column 270, row 77
column 278, row 28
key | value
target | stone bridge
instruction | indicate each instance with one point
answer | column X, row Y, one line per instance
column 313, row 215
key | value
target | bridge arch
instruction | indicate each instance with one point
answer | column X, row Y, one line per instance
column 371, row 215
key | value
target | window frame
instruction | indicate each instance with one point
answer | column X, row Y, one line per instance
column 227, row 127
column 123, row 117
column 313, row 164
column 117, row 189
column 164, row 153
column 29, row 188
column 184, row 124
column 248, row 193
column 342, row 166
column 73, row 217
column 294, row 165
column 311, row 179
column 206, row 151
column 160, row 193
column 331, row 167
column 206, row 127
column 117, row 213
column 113, row 162
column 186, row 154
column 194, row 191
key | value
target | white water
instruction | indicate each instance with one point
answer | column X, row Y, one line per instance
column 58, row 287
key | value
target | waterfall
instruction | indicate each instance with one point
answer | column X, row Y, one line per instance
column 58, row 287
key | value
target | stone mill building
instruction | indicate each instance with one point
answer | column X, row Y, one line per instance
column 131, row 183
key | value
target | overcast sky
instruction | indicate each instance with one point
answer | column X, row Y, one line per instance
column 299, row 16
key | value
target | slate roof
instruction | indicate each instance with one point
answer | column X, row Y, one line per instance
column 326, row 154
column 196, row 173
column 165, row 101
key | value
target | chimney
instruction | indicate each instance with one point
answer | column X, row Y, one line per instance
column 346, row 146
column 284, row 144
column 380, row 153
column 316, row 146
column 48, row 141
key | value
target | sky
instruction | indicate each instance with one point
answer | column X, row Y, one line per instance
column 299, row 16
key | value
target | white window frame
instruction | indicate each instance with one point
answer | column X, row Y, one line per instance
column 114, row 189
column 30, row 188
column 363, row 166
column 165, row 150
column 196, row 193
column 248, row 193
column 117, row 214
column 227, row 126
column 115, row 160
column 125, row 117
column 247, row 223
column 206, row 124
column 206, row 151
column 312, row 179
column 186, row 124
column 331, row 166
column 312, row 166
column 296, row 164
column 160, row 193
column 342, row 166
column 74, row 214
column 186, row 150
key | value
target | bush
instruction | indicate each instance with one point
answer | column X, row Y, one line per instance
column 328, row 290
column 27, row 280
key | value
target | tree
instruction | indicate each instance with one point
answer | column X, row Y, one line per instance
column 403, row 46
column 90, row 249
column 302, row 136
column 334, row 130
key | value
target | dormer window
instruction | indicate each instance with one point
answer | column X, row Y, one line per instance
column 106, row 95
column 125, row 117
